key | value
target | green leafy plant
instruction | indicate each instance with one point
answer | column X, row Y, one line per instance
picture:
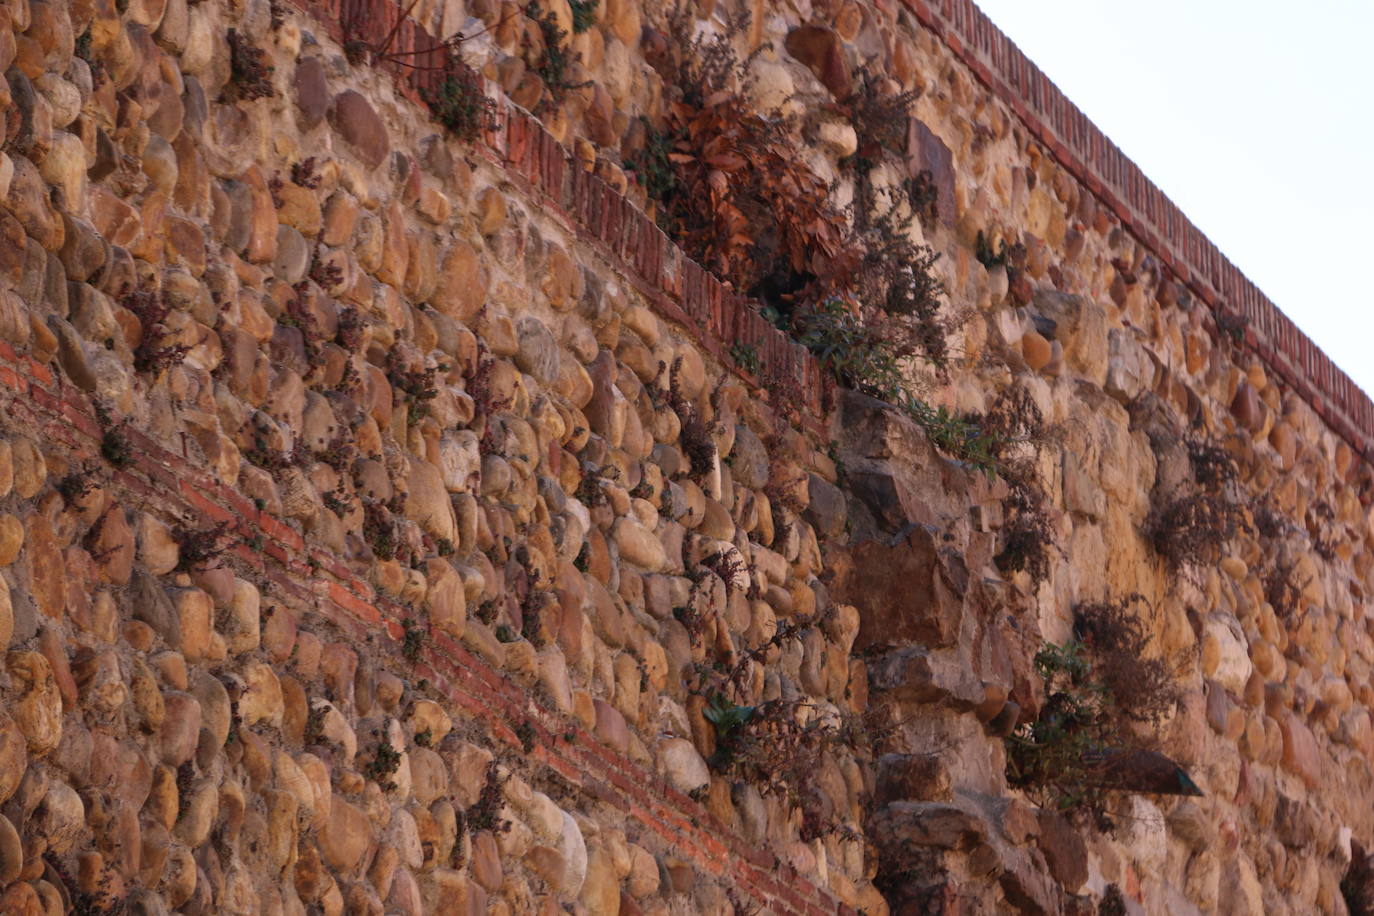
column 895, row 276
column 1027, row 531
column 651, row 164
column 550, row 57
column 1232, row 325
column 82, row 49
column 460, row 103
column 746, row 356
column 861, row 357
column 726, row 716
column 880, row 119
column 1097, row 684
column 987, row 255
column 779, row 746
column 583, row 15
column 1053, row 755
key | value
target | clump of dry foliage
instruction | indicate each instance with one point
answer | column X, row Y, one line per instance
column 1194, row 527
column 1100, row 686
column 731, row 189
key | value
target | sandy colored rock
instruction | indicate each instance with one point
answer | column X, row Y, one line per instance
column 38, row 710
column 345, row 836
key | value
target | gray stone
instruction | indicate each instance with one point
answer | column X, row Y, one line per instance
column 921, row 676
column 749, row 459
column 358, row 123
column 827, row 510
column 1064, row 849
column 943, row 825
column 312, row 92
column 71, row 353
column 239, row 223
column 538, row 352
column 683, row 765
column 293, row 256
column 152, row 606
column 1129, row 368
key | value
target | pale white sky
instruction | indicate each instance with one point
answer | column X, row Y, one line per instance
column 1256, row 117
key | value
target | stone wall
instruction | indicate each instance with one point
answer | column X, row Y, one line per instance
column 380, row 509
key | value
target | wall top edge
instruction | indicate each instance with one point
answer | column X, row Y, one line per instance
column 1080, row 146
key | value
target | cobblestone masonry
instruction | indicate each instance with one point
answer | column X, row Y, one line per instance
column 359, row 544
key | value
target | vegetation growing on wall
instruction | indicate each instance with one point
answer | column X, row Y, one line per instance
column 1098, row 685
column 154, row 352
column 547, row 54
column 740, row 201
column 850, row 285
column 250, row 76
column 460, row 104
column 1357, row 886
column 1192, row 528
column 862, row 357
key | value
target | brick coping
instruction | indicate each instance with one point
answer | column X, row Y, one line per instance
column 269, row 550
column 1100, row 166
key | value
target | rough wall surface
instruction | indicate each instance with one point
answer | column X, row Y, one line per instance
column 380, row 509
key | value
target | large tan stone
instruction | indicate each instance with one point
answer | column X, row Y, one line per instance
column 638, row 545
column 1301, row 755
column 346, row 835
column 427, row 501
column 445, row 599
column 462, row 288
column 6, row 615
column 48, row 569
column 38, row 711
column 913, row 589
column 14, row 756
column 601, row 889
